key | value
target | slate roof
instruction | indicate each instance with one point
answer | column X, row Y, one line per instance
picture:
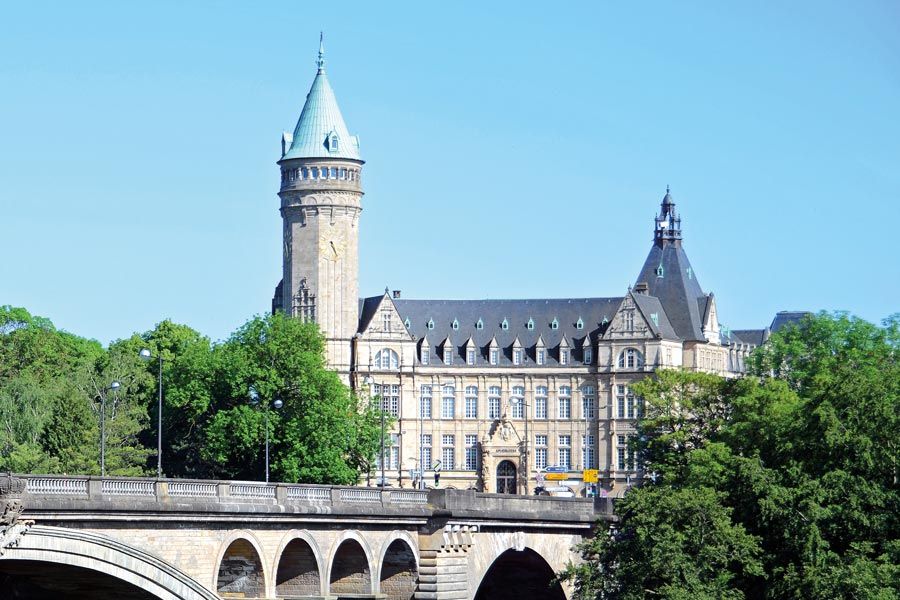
column 319, row 118
column 566, row 311
column 750, row 336
column 786, row 317
column 650, row 305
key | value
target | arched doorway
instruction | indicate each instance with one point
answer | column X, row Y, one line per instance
column 515, row 575
column 506, row 477
column 240, row 572
column 350, row 573
column 399, row 574
column 298, row 572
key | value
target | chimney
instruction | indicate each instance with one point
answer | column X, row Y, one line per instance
column 396, row 294
column 641, row 288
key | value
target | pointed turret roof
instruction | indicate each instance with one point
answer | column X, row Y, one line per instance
column 670, row 277
column 321, row 131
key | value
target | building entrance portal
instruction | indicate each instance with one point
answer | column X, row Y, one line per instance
column 506, row 477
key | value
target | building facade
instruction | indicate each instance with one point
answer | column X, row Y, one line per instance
column 499, row 395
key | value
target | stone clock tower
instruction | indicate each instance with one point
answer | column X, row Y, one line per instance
column 321, row 197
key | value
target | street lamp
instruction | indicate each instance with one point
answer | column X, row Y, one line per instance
column 276, row 404
column 516, row 401
column 113, row 387
column 371, row 383
column 146, row 355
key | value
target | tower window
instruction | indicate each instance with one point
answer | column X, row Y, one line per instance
column 479, row 325
column 554, row 324
column 406, row 323
column 659, row 271
column 334, row 172
column 314, row 173
column 304, row 173
column 530, row 324
column 343, row 173
column 504, row 325
column 579, row 324
column 333, row 143
column 690, row 273
column 455, row 325
column 430, row 324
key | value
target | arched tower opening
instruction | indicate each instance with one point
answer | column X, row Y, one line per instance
column 519, row 574
column 240, row 572
column 298, row 571
column 399, row 572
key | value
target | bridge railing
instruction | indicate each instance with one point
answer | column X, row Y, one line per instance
column 183, row 494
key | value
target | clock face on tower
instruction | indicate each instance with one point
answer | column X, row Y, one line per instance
column 331, row 245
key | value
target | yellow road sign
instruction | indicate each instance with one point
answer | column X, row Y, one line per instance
column 590, row 475
column 556, row 476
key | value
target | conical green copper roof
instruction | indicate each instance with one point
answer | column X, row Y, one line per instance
column 321, row 131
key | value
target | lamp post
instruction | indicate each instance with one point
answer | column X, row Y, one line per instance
column 276, row 404
column 113, row 387
column 371, row 383
column 145, row 354
column 516, row 402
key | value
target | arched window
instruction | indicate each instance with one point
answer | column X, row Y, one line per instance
column 333, row 143
column 386, row 359
column 631, row 358
column 530, row 324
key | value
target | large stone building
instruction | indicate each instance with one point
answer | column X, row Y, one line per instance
column 496, row 390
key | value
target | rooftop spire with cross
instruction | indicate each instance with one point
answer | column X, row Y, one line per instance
column 320, row 62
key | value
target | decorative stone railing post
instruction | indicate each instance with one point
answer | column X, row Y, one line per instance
column 12, row 527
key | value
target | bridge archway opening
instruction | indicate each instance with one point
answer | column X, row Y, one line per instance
column 240, row 572
column 40, row 580
column 298, row 571
column 399, row 573
column 506, row 477
column 519, row 574
column 350, row 572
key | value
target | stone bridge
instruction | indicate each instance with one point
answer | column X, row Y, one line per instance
column 114, row 538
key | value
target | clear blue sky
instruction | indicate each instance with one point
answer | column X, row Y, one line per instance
column 512, row 151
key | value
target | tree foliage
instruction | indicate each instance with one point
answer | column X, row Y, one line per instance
column 792, row 471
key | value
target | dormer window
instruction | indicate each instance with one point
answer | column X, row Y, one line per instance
column 563, row 356
column 470, row 356
column 530, row 324
column 504, row 325
column 517, row 356
column 479, row 325
column 554, row 324
column 406, row 323
column 426, row 356
column 659, row 271
column 333, row 144
column 579, row 324
column 430, row 324
column 494, row 356
column 455, row 325
column 541, row 356
column 588, row 356
column 655, row 318
column 448, row 355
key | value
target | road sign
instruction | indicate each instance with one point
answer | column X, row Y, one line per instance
column 556, row 476
column 590, row 475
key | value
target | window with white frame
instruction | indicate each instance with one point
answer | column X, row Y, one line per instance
column 588, row 355
column 494, row 356
column 624, row 454
column 540, row 355
column 517, row 356
column 448, row 402
column 588, row 402
column 588, row 452
column 390, row 398
column 425, row 402
column 448, row 354
column 448, row 452
column 517, row 400
column 563, row 356
column 386, row 360
column 625, row 402
column 565, row 451
column 565, row 402
column 426, row 452
column 391, row 453
column 631, row 358
column 386, row 321
column 540, row 451
column 540, row 402
column 471, row 407
column 426, row 355
column 471, row 452
column 494, row 402
column 470, row 356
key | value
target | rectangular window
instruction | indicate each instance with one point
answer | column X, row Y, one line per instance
column 588, row 402
column 540, row 356
column 540, row 402
column 494, row 402
column 343, row 173
column 448, row 402
column 470, row 356
column 386, row 322
column 448, row 452
column 588, row 452
column 426, row 451
column 390, row 398
column 495, row 356
column 517, row 357
column 565, row 402
column 625, row 454
column 426, row 356
column 563, row 357
column 471, row 402
column 448, row 356
column 620, row 453
column 621, row 392
column 471, row 452
column 565, row 451
column 540, row 452
column 334, row 172
column 588, row 356
column 517, row 400
column 425, row 402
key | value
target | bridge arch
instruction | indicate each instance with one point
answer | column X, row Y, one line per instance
column 350, row 565
column 239, row 567
column 299, row 566
column 398, row 566
column 519, row 573
column 97, row 552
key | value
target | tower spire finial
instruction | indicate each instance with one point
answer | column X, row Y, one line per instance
column 321, row 60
